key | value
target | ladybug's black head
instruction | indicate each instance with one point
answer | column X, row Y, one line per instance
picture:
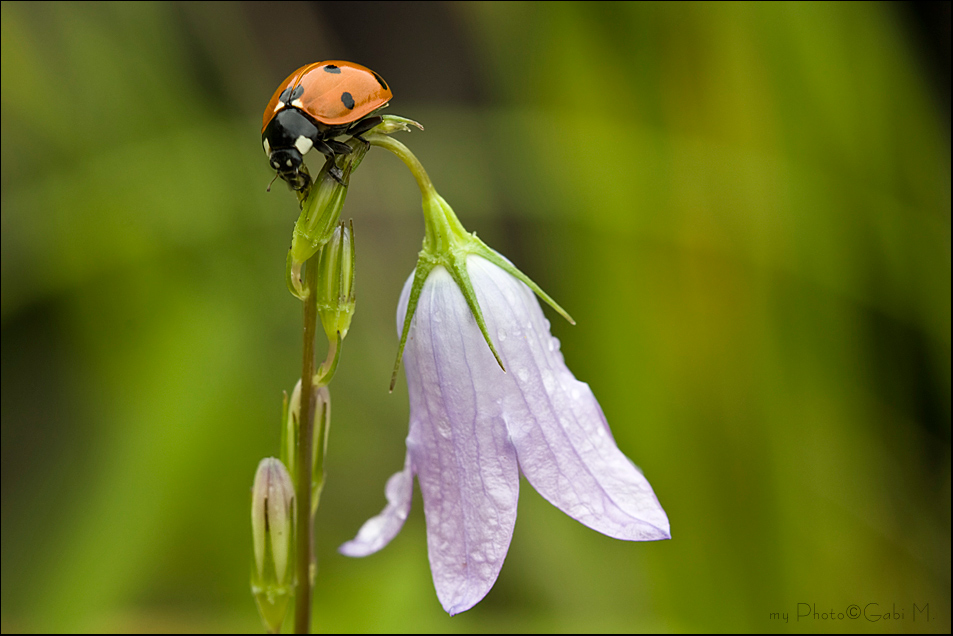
column 285, row 160
column 286, row 138
column 287, row 163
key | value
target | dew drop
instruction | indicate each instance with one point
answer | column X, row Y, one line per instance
column 501, row 335
column 549, row 383
column 522, row 375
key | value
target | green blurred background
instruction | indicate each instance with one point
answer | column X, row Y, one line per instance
column 745, row 207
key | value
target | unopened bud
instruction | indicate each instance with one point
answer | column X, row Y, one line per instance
column 272, row 522
column 289, row 434
column 335, row 292
column 320, row 213
column 320, row 424
column 321, row 209
column 319, row 444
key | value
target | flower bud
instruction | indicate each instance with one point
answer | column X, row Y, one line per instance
column 321, row 208
column 335, row 292
column 321, row 422
column 319, row 444
column 319, row 216
column 272, row 521
column 289, row 432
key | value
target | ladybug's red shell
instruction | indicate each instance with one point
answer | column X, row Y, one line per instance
column 334, row 93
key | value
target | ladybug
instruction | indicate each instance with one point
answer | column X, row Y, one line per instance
column 315, row 104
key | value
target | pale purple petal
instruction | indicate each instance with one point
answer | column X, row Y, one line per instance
column 464, row 461
column 474, row 427
column 378, row 531
column 563, row 442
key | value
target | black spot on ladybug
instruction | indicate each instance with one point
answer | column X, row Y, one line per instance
column 290, row 94
column 331, row 68
column 380, row 80
column 347, row 100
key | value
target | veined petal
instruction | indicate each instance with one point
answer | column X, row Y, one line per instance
column 473, row 427
column 378, row 531
column 458, row 443
column 563, row 442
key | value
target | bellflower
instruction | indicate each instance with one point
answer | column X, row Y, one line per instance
column 474, row 427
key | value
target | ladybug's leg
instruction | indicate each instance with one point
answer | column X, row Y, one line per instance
column 358, row 128
column 328, row 151
column 338, row 147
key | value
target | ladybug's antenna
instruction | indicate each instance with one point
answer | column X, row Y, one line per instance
column 268, row 189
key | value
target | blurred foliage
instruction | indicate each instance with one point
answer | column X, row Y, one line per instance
column 746, row 207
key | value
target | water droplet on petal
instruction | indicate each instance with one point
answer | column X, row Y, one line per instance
column 437, row 316
column 549, row 383
column 501, row 335
column 522, row 375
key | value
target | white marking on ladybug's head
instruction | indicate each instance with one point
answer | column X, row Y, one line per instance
column 279, row 106
column 303, row 144
column 267, row 147
column 297, row 104
column 288, row 163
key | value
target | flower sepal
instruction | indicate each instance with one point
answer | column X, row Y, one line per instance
column 448, row 244
column 394, row 123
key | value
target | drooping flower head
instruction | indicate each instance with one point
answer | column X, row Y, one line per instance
column 474, row 427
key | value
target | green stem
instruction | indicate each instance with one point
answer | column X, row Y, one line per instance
column 442, row 228
column 303, row 535
column 402, row 151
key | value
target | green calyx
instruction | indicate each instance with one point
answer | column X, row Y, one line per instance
column 335, row 289
column 448, row 244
